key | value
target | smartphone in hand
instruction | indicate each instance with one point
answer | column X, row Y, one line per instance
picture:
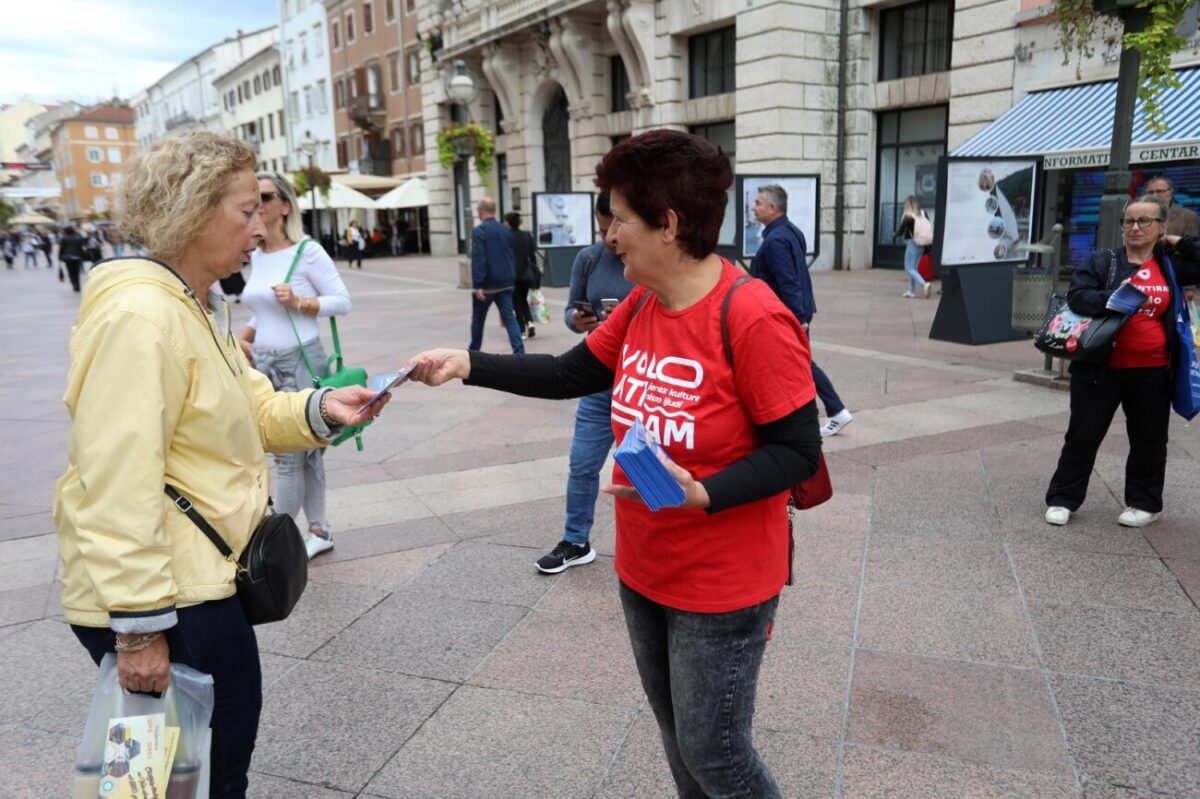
column 608, row 304
column 585, row 307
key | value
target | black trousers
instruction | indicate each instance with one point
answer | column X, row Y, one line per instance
column 214, row 638
column 521, row 304
column 73, row 265
column 1145, row 396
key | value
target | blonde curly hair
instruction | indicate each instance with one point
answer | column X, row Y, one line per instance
column 170, row 191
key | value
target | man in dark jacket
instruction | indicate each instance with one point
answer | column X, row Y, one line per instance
column 71, row 253
column 527, row 275
column 780, row 262
column 492, row 276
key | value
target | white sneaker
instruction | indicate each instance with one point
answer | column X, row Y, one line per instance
column 928, row 290
column 908, row 294
column 1132, row 517
column 835, row 423
column 316, row 544
column 1057, row 515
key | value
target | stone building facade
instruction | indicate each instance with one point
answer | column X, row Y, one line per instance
column 252, row 107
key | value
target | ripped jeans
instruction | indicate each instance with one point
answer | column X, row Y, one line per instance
column 299, row 476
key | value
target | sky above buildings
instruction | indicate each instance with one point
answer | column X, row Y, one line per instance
column 87, row 50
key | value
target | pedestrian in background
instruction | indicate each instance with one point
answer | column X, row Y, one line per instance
column 1180, row 221
column 492, row 276
column 29, row 250
column 10, row 252
column 526, row 274
column 71, row 254
column 782, row 262
column 270, row 340
column 596, row 276
column 1138, row 374
column 356, row 243
column 912, row 250
column 48, row 241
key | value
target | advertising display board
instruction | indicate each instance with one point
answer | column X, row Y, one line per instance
column 563, row 220
column 804, row 205
column 987, row 209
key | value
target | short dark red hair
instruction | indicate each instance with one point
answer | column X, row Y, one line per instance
column 669, row 169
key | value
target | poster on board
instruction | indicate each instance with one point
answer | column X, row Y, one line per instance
column 989, row 210
column 803, row 201
column 563, row 220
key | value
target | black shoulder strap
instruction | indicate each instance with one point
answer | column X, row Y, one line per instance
column 725, row 304
column 641, row 301
column 184, row 505
column 590, row 267
column 1112, row 269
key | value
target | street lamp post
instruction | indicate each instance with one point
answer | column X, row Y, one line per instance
column 308, row 146
column 462, row 88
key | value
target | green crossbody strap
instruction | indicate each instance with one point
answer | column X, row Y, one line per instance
column 304, row 353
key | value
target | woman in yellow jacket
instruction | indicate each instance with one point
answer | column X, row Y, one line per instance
column 159, row 392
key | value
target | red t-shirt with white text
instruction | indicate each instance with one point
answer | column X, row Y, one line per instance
column 671, row 372
column 1142, row 342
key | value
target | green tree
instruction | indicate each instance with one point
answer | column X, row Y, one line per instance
column 7, row 211
column 1079, row 21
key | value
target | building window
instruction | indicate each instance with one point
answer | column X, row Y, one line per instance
column 275, row 77
column 909, row 143
column 711, row 63
column 410, row 5
column 342, row 159
column 271, row 125
column 100, row 204
column 111, row 134
column 368, row 19
column 246, row 88
column 114, row 155
column 322, row 97
column 257, row 85
column 90, row 132
column 294, row 106
column 915, row 39
column 266, row 80
column 374, row 84
column 414, row 67
column 225, row 101
column 398, row 143
column 308, row 103
column 417, row 138
column 724, row 135
column 303, row 47
column 99, row 179
column 618, row 84
column 389, row 10
column 232, row 99
column 279, row 116
column 350, row 27
column 339, row 94
column 318, row 39
column 95, row 155
column 336, row 34
column 394, row 71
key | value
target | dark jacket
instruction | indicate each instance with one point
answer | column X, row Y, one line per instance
column 524, row 259
column 781, row 263
column 491, row 256
column 71, row 248
column 1089, row 291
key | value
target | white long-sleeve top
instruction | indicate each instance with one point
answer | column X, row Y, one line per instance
column 315, row 276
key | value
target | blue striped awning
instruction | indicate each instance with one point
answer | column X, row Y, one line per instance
column 1072, row 127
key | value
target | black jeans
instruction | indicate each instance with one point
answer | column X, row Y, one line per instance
column 214, row 638
column 700, row 674
column 1145, row 395
column 73, row 265
column 521, row 304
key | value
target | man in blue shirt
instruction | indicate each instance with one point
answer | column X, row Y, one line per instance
column 492, row 276
column 781, row 263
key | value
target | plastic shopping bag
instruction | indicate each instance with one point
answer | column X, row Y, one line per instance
column 145, row 740
column 1195, row 314
column 537, row 306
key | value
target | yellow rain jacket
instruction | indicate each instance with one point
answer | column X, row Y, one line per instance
column 158, row 393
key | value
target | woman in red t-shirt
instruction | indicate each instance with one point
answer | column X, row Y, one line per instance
column 1138, row 373
column 700, row 582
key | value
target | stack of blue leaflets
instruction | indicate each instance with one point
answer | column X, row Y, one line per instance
column 638, row 457
column 1126, row 299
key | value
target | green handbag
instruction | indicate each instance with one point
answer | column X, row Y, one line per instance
column 338, row 374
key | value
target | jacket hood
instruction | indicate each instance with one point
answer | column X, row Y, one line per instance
column 116, row 273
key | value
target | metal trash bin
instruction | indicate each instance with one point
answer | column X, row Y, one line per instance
column 1033, row 285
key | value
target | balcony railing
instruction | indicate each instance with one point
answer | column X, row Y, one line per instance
column 368, row 111
column 179, row 121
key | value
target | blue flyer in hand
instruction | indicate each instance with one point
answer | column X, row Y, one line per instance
column 638, row 457
column 384, row 383
column 1126, row 299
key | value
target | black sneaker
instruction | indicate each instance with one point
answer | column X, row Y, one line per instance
column 564, row 556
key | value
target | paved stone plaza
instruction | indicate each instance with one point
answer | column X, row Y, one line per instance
column 941, row 640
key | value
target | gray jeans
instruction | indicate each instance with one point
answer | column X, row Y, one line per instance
column 299, row 476
column 700, row 674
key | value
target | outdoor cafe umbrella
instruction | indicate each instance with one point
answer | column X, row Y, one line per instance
column 30, row 219
column 413, row 193
column 339, row 197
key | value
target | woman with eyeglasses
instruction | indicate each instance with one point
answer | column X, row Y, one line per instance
column 1137, row 376
column 285, row 315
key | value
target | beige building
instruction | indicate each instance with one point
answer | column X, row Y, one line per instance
column 865, row 95
column 12, row 126
column 252, row 107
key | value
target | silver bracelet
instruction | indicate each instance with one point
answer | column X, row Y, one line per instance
column 137, row 644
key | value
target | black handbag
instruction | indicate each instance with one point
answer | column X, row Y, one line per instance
column 273, row 569
column 1075, row 337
